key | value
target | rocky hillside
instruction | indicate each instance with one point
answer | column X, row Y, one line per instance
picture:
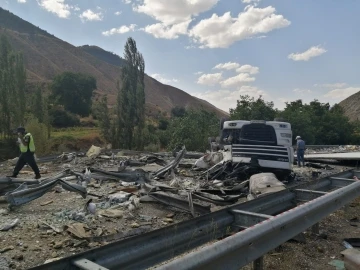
column 351, row 106
column 47, row 56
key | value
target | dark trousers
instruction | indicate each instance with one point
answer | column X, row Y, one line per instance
column 300, row 156
column 26, row 158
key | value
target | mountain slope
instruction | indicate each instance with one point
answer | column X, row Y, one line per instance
column 351, row 106
column 47, row 56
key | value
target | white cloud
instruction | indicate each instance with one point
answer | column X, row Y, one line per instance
column 75, row 8
column 331, row 85
column 302, row 91
column 237, row 80
column 89, row 15
column 210, row 79
column 223, row 31
column 225, row 99
column 21, row 1
column 198, row 73
column 307, row 55
column 227, row 66
column 127, row 1
column 248, row 69
column 117, row 13
column 160, row 30
column 174, row 11
column 250, row 1
column 163, row 80
column 57, row 7
column 342, row 93
column 121, row 30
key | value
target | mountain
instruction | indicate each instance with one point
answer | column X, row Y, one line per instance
column 47, row 56
column 351, row 106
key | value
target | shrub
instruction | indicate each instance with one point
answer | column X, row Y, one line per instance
column 40, row 135
column 60, row 118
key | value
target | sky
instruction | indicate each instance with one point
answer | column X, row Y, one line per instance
column 217, row 50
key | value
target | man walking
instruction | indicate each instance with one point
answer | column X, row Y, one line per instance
column 300, row 150
column 27, row 149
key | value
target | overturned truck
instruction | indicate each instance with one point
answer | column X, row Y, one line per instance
column 266, row 145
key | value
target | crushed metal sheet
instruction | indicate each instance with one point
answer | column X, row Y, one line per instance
column 172, row 164
column 177, row 202
column 24, row 193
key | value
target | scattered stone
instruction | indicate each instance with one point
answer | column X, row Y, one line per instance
column 171, row 215
column 78, row 230
column 112, row 213
column 54, row 254
column 4, row 263
column 19, row 257
column 8, row 226
column 168, row 220
column 134, row 225
column 81, row 243
column 46, row 203
column 58, row 245
column 4, row 211
column 36, row 248
column 3, row 250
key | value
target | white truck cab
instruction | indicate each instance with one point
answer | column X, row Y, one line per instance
column 268, row 144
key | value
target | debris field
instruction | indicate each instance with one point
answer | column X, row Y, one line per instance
column 88, row 200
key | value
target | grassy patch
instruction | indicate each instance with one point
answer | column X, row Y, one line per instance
column 75, row 139
column 75, row 133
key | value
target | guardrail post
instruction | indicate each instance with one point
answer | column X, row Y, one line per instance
column 258, row 264
column 315, row 228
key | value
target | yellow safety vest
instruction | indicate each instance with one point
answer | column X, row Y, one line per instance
column 31, row 147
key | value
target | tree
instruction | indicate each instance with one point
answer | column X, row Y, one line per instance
column 12, row 87
column 101, row 112
column 193, row 130
column 248, row 108
column 74, row 92
column 178, row 111
column 298, row 115
column 38, row 106
column 317, row 123
column 130, row 107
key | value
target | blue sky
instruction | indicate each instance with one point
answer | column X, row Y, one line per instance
column 220, row 49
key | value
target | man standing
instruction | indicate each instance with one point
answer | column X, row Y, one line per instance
column 27, row 149
column 300, row 150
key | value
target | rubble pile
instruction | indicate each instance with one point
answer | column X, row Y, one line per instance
column 333, row 149
column 90, row 199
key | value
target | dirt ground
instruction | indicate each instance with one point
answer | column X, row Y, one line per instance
column 320, row 249
column 42, row 234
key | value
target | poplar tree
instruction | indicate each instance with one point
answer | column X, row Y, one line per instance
column 130, row 107
column 12, row 87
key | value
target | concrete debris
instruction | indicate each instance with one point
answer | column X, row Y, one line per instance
column 79, row 230
column 264, row 183
column 93, row 152
column 111, row 213
column 9, row 225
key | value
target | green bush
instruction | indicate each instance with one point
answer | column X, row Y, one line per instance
column 60, row 118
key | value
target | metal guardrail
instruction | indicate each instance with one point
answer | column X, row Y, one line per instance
column 275, row 225
column 246, row 246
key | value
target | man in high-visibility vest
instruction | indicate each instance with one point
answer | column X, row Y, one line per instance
column 27, row 149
